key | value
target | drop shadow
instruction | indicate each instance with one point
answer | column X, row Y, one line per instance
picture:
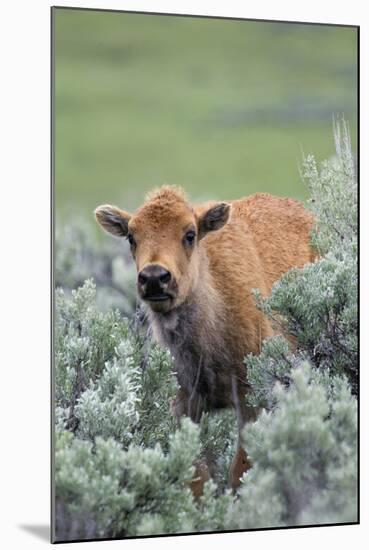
column 40, row 531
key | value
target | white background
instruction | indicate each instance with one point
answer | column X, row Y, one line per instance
column 25, row 268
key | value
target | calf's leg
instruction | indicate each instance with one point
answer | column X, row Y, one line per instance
column 241, row 462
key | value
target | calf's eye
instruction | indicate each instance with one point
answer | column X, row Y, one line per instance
column 130, row 239
column 190, row 237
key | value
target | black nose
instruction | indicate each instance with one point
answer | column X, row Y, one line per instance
column 154, row 279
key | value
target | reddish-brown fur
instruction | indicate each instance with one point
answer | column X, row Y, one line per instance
column 211, row 322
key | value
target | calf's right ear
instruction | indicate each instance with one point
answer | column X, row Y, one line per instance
column 113, row 219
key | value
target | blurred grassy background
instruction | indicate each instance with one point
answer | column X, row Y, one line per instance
column 223, row 108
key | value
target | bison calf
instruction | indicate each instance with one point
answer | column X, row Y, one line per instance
column 196, row 268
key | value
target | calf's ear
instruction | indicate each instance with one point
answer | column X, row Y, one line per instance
column 214, row 218
column 113, row 219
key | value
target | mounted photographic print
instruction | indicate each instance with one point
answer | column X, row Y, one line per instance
column 205, row 282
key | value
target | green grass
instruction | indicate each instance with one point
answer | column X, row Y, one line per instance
column 223, row 108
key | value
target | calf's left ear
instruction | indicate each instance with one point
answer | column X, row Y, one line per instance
column 214, row 218
column 113, row 219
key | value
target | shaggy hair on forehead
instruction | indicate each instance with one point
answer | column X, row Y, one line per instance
column 166, row 194
column 162, row 205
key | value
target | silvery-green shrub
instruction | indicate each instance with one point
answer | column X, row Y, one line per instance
column 304, row 455
column 79, row 255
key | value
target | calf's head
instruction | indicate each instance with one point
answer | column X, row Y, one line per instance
column 164, row 235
